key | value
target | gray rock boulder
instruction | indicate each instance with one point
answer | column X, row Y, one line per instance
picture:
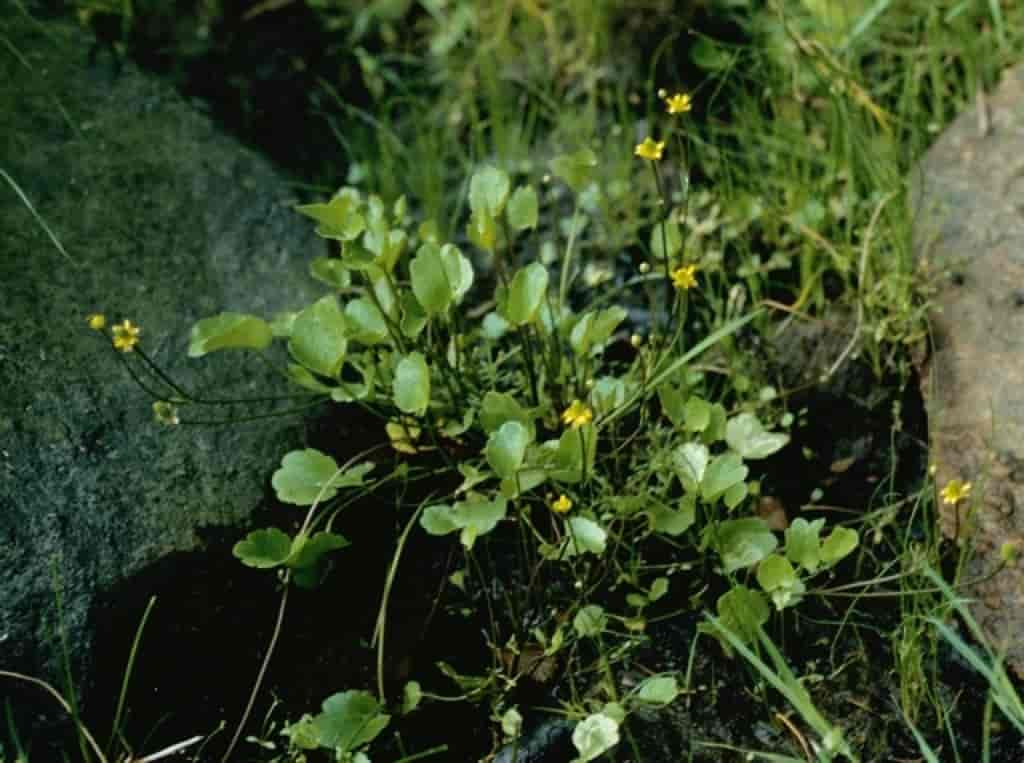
column 970, row 226
column 167, row 221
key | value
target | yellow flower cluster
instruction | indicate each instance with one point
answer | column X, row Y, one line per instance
column 125, row 335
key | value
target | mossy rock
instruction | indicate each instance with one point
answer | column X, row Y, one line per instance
column 164, row 220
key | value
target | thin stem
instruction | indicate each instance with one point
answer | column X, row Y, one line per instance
column 263, row 670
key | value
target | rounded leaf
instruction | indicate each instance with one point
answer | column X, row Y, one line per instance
column 412, row 384
column 657, row 691
column 522, row 208
column 594, row 736
column 526, row 294
column 305, row 476
column 746, row 436
column 840, row 542
column 576, row 169
column 430, row 281
column 263, row 549
column 338, row 219
column 506, row 448
column 488, row 191
column 229, row 330
column 331, row 271
column 585, row 535
column 318, row 340
column 590, row 621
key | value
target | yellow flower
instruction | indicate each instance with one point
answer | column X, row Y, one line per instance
column 955, row 491
column 650, row 149
column 679, row 103
column 562, row 505
column 126, row 336
column 96, row 321
column 577, row 414
column 685, row 277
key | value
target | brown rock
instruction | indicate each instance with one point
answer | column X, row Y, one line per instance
column 969, row 202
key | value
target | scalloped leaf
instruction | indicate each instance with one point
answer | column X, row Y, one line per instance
column 263, row 549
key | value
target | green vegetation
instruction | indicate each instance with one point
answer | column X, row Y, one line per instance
column 557, row 291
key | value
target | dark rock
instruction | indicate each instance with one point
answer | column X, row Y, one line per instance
column 167, row 221
column 549, row 742
column 970, row 231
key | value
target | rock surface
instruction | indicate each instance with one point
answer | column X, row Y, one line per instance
column 168, row 221
column 970, row 210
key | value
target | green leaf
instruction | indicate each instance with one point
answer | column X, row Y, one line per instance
column 775, row 572
column 672, row 404
column 366, row 323
column 690, row 461
column 430, row 281
column 697, row 415
column 585, row 535
column 734, row 496
column 459, row 271
column 331, row 271
column 306, row 474
column 740, row 542
column 746, row 436
column 488, row 191
column 715, row 430
column 475, row 516
column 482, row 231
column 594, row 736
column 301, row 376
column 657, row 691
column 412, row 384
column 722, row 473
column 673, row 240
column 658, row 588
column 413, row 316
column 499, row 407
column 511, row 723
column 350, row 720
column 522, row 208
column 227, row 331
column 803, row 544
column 319, row 340
column 438, row 519
column 575, row 453
column 339, row 219
column 577, row 170
column 263, row 549
column 840, row 542
column 706, row 54
column 307, row 552
column 506, row 448
column 674, row 522
column 526, row 294
column 590, row 621
column 478, row 516
column 593, row 329
column 743, row 611
column 412, row 695
column 776, row 576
